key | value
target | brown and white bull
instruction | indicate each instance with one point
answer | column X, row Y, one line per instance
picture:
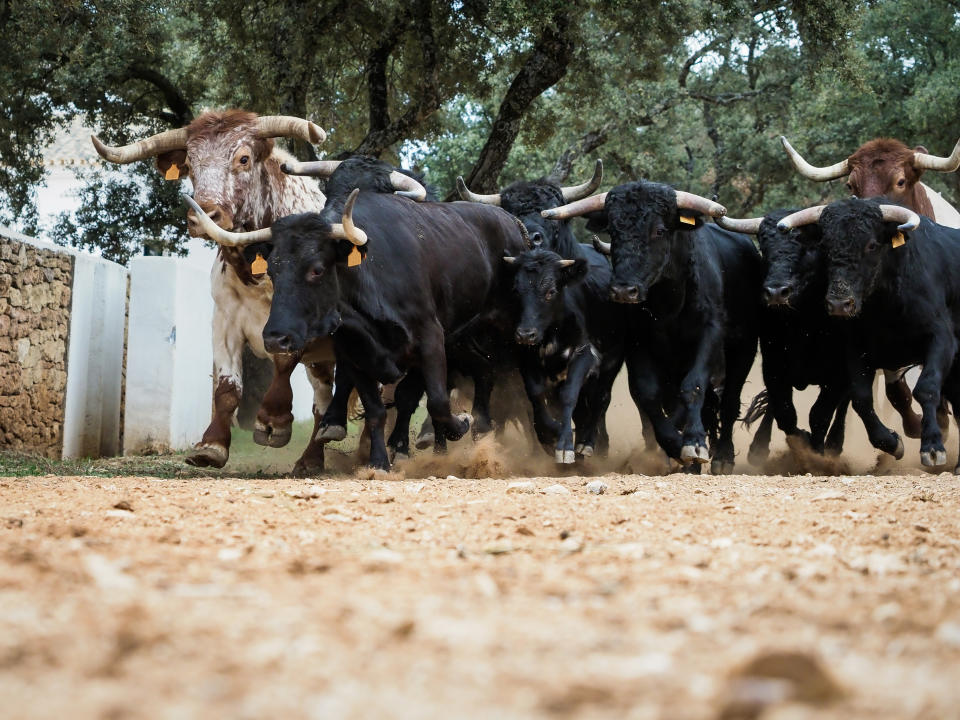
column 887, row 167
column 234, row 166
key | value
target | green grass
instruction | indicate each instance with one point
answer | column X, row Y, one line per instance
column 247, row 459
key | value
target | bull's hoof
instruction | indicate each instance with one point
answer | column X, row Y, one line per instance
column 464, row 420
column 214, row 456
column 694, row 454
column 584, row 450
column 898, row 451
column 308, row 467
column 331, row 433
column 721, row 467
column 271, row 436
column 933, row 458
column 564, row 457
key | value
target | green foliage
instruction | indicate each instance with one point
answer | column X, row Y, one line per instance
column 692, row 93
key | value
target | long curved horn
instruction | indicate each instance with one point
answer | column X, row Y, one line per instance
column 750, row 226
column 600, row 246
column 407, row 187
column 575, row 209
column 577, row 192
column 831, row 172
column 347, row 230
column 317, row 168
column 148, row 147
column 907, row 218
column 807, row 216
column 465, row 194
column 925, row 161
column 226, row 237
column 700, row 204
column 270, row 126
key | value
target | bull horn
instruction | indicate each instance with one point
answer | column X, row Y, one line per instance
column 831, row 172
column 925, row 161
column 270, row 126
column 317, row 168
column 576, row 192
column 141, row 149
column 698, row 203
column 807, row 216
column 575, row 209
column 347, row 230
column 226, row 237
column 750, row 226
column 466, row 194
column 906, row 218
column 407, row 186
column 600, row 246
column 565, row 263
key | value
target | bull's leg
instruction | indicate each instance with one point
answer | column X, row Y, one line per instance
column 375, row 415
column 583, row 362
column 545, row 427
column 645, row 391
column 898, row 393
column 482, row 390
column 213, row 450
column 275, row 416
column 311, row 462
column 822, row 412
column 738, row 363
column 406, row 397
column 693, row 391
column 593, row 436
column 861, row 397
column 333, row 421
column 433, row 364
column 834, row 443
column 936, row 366
column 760, row 445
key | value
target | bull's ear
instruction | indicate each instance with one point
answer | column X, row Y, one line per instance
column 921, row 149
column 571, row 271
column 173, row 164
column 250, row 252
column 346, row 252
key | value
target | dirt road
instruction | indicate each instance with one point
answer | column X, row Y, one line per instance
column 664, row 597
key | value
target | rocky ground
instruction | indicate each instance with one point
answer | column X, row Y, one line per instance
column 623, row 596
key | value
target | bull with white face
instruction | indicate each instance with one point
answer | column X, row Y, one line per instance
column 234, row 166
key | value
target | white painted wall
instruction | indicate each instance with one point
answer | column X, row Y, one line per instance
column 170, row 358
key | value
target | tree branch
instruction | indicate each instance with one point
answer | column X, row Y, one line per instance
column 545, row 66
column 179, row 107
column 588, row 142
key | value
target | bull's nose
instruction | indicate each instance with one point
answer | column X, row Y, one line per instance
column 841, row 307
column 777, row 294
column 526, row 336
column 214, row 212
column 277, row 342
column 625, row 293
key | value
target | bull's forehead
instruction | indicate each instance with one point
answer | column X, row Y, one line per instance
column 220, row 147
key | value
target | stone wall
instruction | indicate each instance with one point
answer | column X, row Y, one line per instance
column 35, row 297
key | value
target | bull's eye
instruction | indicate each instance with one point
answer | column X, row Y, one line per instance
column 315, row 273
column 901, row 182
column 550, row 294
column 244, row 159
column 872, row 246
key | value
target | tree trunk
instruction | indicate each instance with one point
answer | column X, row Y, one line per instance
column 545, row 66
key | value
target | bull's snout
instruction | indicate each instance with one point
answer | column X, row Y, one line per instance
column 277, row 341
column 216, row 213
column 841, row 307
column 778, row 294
column 527, row 336
column 625, row 293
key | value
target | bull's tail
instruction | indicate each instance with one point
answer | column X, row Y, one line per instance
column 758, row 408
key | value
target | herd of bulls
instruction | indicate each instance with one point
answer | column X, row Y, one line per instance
column 376, row 284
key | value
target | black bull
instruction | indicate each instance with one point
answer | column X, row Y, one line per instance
column 428, row 270
column 903, row 293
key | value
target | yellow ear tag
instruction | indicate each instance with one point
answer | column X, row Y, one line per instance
column 898, row 240
column 259, row 265
column 686, row 219
column 354, row 258
column 173, row 172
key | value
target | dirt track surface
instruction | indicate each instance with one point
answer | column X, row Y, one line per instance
column 139, row 597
